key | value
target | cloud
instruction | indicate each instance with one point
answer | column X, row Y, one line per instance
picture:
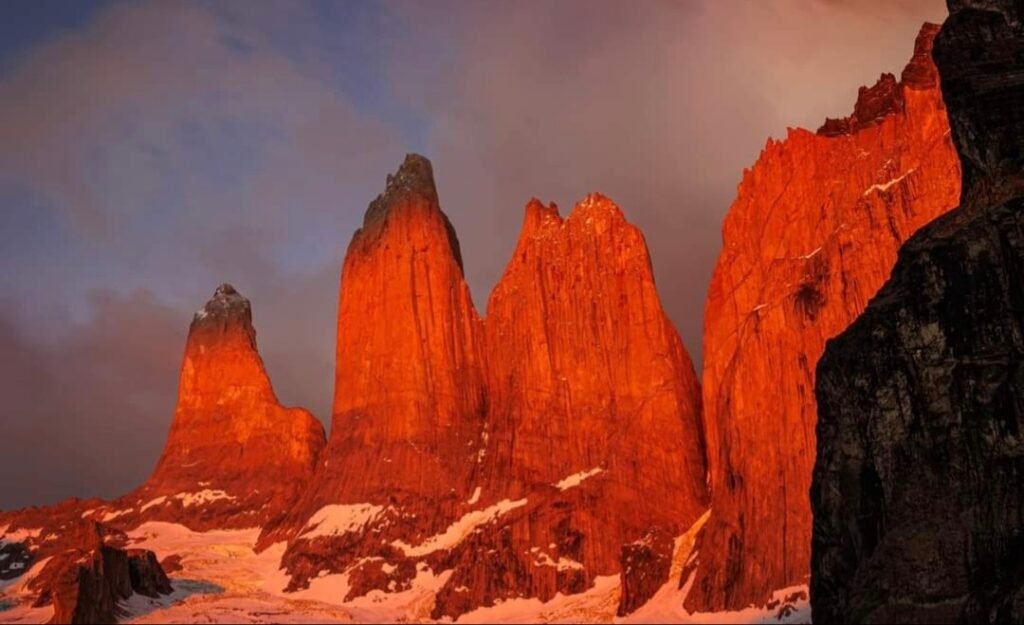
column 155, row 152
column 169, row 105
column 86, row 406
column 658, row 105
column 162, row 148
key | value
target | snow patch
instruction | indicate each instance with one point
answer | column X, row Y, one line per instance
column 595, row 605
column 159, row 501
column 338, row 520
column 577, row 478
column 202, row 497
column 563, row 563
column 113, row 514
column 223, row 580
column 17, row 598
column 19, row 536
column 460, row 529
column 476, row 496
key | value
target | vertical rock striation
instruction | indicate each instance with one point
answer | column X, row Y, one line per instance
column 594, row 412
column 587, row 372
column 409, row 402
column 518, row 457
column 812, row 235
column 409, row 386
column 918, row 493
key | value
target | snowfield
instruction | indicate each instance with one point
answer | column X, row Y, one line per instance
column 223, row 580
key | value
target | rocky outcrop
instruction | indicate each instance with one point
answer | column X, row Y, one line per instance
column 234, row 456
column 79, row 567
column 495, row 452
column 918, row 493
column 409, row 386
column 86, row 583
column 587, row 373
column 645, row 564
column 589, row 388
column 409, row 401
column 812, row 235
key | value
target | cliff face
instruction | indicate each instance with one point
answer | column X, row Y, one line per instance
column 918, row 494
column 409, row 402
column 234, row 456
column 812, row 235
column 586, row 370
column 594, row 413
column 518, row 457
column 409, row 387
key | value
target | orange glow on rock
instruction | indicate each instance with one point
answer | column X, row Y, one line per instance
column 811, row 236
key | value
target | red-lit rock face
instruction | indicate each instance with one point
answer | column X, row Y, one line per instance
column 563, row 428
column 586, row 371
column 587, row 376
column 811, row 237
column 234, row 456
column 409, row 395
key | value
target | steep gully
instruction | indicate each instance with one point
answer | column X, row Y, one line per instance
column 560, row 439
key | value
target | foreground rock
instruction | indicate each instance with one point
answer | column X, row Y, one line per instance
column 918, row 492
column 812, row 235
column 78, row 568
column 234, row 456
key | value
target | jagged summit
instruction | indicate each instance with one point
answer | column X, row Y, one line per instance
column 415, row 177
column 920, row 72
column 411, row 191
column 226, row 304
column 234, row 455
column 886, row 97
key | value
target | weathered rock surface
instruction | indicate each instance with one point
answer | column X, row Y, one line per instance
column 234, row 456
column 918, row 493
column 520, row 456
column 645, row 564
column 588, row 383
column 85, row 568
column 410, row 399
column 812, row 235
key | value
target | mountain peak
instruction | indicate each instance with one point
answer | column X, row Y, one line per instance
column 415, row 177
column 226, row 305
column 886, row 97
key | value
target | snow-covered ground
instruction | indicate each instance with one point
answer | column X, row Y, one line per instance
column 224, row 581
column 15, row 600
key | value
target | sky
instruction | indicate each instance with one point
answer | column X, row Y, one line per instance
column 152, row 150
